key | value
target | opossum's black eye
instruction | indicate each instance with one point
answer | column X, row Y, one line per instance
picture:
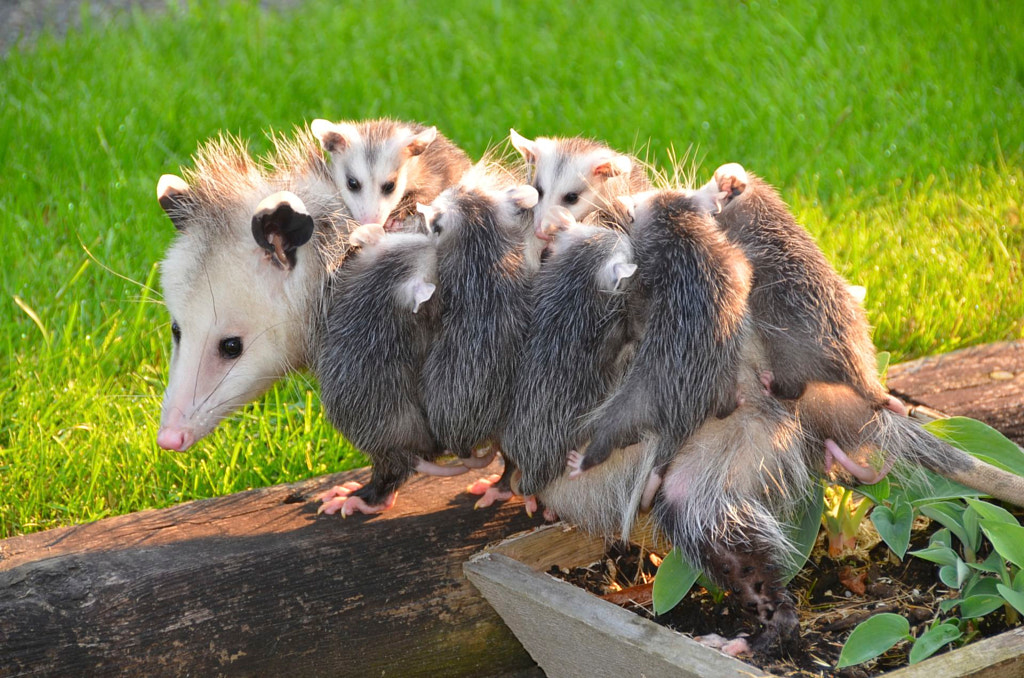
column 353, row 184
column 175, row 333
column 230, row 348
column 438, row 228
column 387, row 188
column 540, row 192
column 571, row 198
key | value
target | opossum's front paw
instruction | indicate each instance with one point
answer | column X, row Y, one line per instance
column 864, row 474
column 733, row 647
column 342, row 499
column 732, row 180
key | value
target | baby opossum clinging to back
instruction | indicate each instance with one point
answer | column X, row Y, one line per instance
column 486, row 263
column 573, row 354
column 382, row 168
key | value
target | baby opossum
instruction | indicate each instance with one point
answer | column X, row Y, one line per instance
column 486, row 264
column 383, row 167
column 693, row 285
column 578, row 174
column 379, row 323
column 810, row 325
column 573, row 355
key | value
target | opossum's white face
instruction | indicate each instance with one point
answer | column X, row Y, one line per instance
column 237, row 320
column 372, row 175
column 581, row 182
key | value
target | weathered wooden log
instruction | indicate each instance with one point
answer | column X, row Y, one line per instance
column 257, row 584
column 983, row 382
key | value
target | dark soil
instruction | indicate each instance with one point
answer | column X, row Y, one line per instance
column 828, row 609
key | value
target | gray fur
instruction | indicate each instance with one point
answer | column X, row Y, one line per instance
column 572, row 357
column 812, row 328
column 692, row 288
column 372, row 348
column 485, row 278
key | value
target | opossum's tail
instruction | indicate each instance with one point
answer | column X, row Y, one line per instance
column 836, row 411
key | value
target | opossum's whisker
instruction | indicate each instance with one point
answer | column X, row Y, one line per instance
column 111, row 271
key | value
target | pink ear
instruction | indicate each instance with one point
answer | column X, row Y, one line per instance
column 418, row 143
column 526, row 147
column 613, row 167
column 332, row 137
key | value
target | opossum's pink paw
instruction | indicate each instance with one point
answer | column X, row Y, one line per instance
column 491, row 495
column 896, row 405
column 353, row 504
column 767, row 378
column 483, row 484
column 574, row 464
column 730, row 646
column 866, row 475
column 550, row 515
column 339, row 491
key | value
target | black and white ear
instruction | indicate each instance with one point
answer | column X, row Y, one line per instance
column 612, row 167
column 334, row 138
column 422, row 291
column 526, row 147
column 621, row 274
column 173, row 195
column 524, row 197
column 280, row 226
column 417, row 143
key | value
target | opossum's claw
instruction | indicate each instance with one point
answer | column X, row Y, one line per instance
column 530, row 504
column 491, row 495
column 866, row 475
column 341, row 500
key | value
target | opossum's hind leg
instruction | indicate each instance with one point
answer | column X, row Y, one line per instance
column 376, row 496
column 751, row 573
column 496, row 488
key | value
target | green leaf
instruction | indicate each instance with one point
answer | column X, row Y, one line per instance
column 994, row 564
column 943, row 555
column 989, row 511
column 873, row 637
column 882, row 359
column 894, row 525
column 941, row 538
column 805, row 532
column 950, row 515
column 954, row 575
column 937, row 488
column 1015, row 598
column 980, row 605
column 1007, row 539
column 932, row 640
column 673, row 581
column 981, row 440
column 877, row 492
column 947, row 605
column 982, row 586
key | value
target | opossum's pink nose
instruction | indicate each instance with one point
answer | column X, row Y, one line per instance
column 172, row 439
column 541, row 232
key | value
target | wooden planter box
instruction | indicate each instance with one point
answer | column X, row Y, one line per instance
column 570, row 632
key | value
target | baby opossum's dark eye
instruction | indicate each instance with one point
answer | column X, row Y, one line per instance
column 571, row 198
column 353, row 184
column 230, row 348
column 437, row 228
column 387, row 188
column 540, row 192
column 175, row 333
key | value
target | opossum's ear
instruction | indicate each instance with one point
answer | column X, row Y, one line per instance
column 621, row 273
column 366, row 235
column 612, row 167
column 334, row 138
column 858, row 292
column 417, row 143
column 428, row 212
column 526, row 147
column 524, row 197
column 280, row 226
column 173, row 195
column 421, row 293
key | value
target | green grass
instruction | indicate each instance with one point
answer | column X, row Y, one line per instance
column 896, row 131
